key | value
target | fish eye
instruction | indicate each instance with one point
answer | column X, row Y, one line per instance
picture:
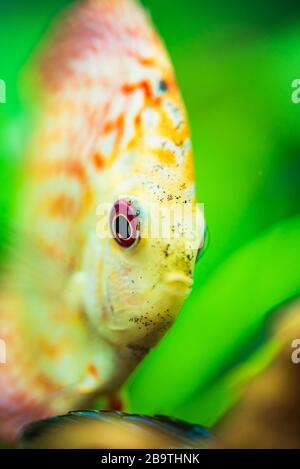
column 125, row 223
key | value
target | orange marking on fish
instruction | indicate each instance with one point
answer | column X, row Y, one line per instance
column 179, row 134
column 54, row 252
column 92, row 370
column 142, row 60
column 98, row 161
column 143, row 85
column 138, row 120
column 61, row 205
column 68, row 166
column 117, row 125
column 75, row 169
column 166, row 156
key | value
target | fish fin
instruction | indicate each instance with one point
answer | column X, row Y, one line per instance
column 159, row 430
column 24, row 265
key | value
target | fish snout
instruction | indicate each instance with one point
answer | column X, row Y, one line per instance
column 178, row 283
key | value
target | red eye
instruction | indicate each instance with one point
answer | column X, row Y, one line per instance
column 125, row 223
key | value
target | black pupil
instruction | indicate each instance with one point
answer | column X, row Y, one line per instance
column 122, row 227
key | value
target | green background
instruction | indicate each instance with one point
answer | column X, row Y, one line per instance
column 235, row 64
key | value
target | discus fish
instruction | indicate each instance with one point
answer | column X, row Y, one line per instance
column 80, row 308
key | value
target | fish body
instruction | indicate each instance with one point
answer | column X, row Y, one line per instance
column 267, row 415
column 78, row 308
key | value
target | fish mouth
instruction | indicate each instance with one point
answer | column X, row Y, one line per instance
column 178, row 283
